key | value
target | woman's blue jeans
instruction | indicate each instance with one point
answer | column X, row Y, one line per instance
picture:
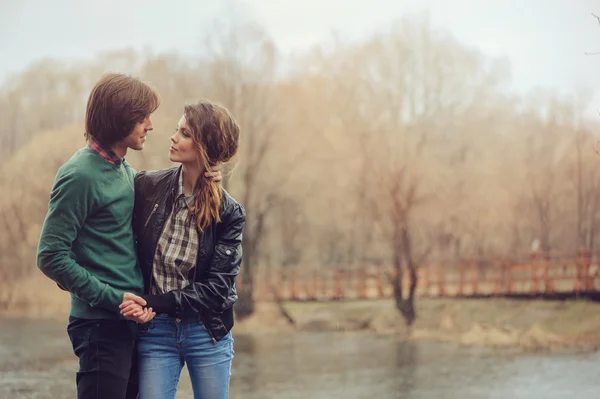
column 166, row 344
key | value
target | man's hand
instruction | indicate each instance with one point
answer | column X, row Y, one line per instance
column 214, row 173
column 128, row 296
column 131, row 308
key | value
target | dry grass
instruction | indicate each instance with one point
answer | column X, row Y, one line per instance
column 35, row 297
column 494, row 322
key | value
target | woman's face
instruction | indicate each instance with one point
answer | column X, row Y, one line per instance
column 183, row 148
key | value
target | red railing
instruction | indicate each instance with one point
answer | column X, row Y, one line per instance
column 464, row 278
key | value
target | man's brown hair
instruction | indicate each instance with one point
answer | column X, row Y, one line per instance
column 116, row 103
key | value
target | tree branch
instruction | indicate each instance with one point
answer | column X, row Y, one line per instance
column 595, row 52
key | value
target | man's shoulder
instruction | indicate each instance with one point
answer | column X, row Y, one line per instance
column 130, row 170
column 84, row 160
column 83, row 169
column 81, row 164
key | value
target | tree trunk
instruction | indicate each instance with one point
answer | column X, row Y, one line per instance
column 279, row 302
column 408, row 305
column 244, row 307
column 580, row 236
column 402, row 253
column 245, row 304
column 397, row 276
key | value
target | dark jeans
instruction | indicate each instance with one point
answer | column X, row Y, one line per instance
column 105, row 349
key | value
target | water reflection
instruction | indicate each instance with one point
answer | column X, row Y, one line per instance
column 245, row 359
column 36, row 362
column 405, row 367
column 323, row 366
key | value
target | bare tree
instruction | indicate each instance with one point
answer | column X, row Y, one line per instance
column 375, row 152
column 418, row 83
column 242, row 75
column 546, row 159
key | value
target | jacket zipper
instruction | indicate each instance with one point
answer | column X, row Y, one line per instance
column 151, row 213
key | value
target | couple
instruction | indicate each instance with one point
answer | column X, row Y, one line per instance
column 146, row 300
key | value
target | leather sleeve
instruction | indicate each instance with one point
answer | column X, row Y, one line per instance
column 138, row 209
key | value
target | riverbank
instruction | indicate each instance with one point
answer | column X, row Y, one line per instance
column 499, row 323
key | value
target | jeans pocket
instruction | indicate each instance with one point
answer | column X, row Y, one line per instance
column 80, row 336
column 143, row 329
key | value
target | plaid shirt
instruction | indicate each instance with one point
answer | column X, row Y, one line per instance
column 177, row 247
column 106, row 153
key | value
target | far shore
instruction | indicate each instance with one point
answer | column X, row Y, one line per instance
column 524, row 325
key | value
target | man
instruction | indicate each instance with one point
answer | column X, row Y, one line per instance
column 87, row 244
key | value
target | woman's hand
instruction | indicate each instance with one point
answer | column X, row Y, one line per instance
column 214, row 174
column 132, row 309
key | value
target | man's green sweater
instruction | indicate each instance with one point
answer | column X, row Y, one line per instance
column 87, row 244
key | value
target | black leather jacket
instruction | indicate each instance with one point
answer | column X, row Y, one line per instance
column 212, row 294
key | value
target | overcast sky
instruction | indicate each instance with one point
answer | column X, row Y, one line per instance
column 544, row 40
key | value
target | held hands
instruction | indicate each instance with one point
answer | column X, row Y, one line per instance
column 133, row 308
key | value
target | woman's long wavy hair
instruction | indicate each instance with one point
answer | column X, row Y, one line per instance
column 216, row 135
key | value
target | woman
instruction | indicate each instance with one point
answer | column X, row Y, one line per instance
column 189, row 233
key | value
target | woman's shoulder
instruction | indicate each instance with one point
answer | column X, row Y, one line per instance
column 154, row 177
column 230, row 208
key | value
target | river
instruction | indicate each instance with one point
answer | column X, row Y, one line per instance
column 36, row 362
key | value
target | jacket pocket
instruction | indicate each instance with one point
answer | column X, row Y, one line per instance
column 227, row 257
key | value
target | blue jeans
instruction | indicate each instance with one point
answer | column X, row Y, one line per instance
column 166, row 344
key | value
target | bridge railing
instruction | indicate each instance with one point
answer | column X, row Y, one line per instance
column 462, row 278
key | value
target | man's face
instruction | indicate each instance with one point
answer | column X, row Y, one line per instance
column 137, row 137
